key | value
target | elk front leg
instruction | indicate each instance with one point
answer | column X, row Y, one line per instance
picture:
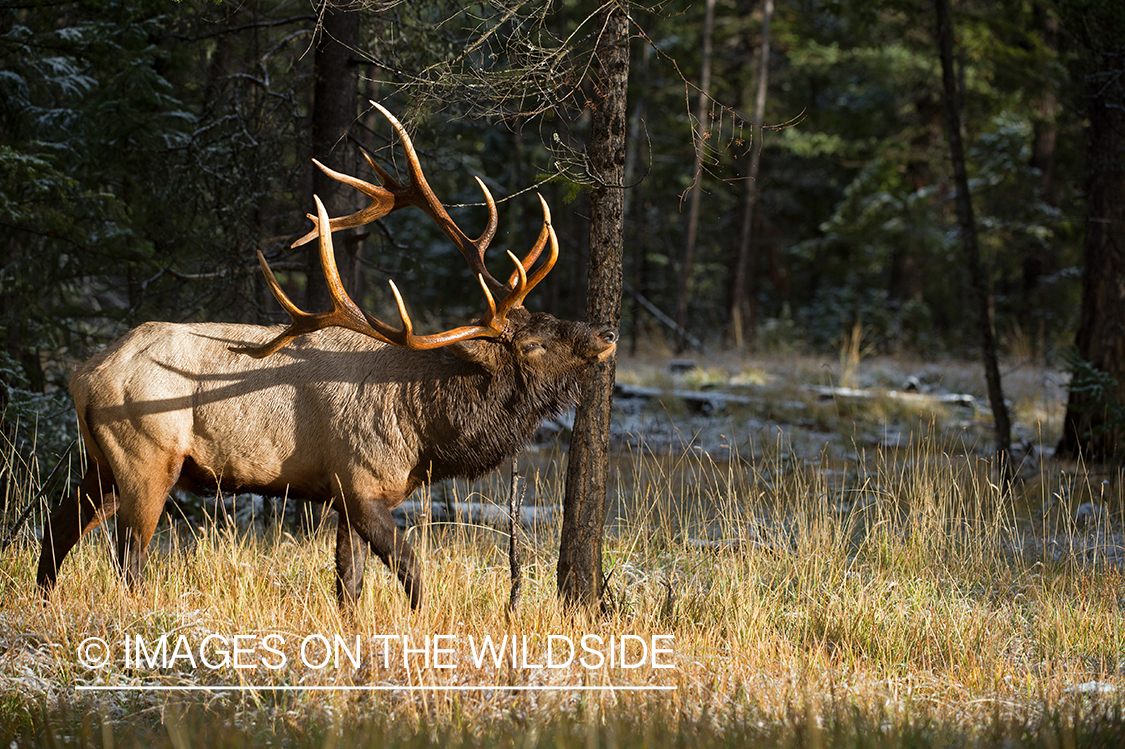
column 373, row 522
column 351, row 561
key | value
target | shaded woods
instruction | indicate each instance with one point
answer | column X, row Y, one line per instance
column 148, row 150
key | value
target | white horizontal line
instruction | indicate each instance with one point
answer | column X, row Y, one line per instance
column 372, row 688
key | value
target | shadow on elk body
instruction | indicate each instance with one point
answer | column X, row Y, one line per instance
column 337, row 407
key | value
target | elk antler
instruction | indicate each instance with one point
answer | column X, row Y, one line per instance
column 392, row 195
column 346, row 314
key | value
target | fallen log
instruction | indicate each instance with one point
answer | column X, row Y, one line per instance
column 829, row 392
column 416, row 512
column 706, row 402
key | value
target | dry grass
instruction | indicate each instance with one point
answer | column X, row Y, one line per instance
column 890, row 601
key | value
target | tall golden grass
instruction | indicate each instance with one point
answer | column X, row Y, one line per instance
column 901, row 597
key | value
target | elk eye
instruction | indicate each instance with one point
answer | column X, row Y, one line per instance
column 531, row 347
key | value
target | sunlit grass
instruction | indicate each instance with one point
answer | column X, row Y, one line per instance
column 900, row 596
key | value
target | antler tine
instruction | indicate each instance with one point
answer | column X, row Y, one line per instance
column 423, row 197
column 383, row 174
column 260, row 352
column 481, row 243
column 521, row 288
column 383, row 200
column 346, row 314
column 515, row 297
column 393, row 195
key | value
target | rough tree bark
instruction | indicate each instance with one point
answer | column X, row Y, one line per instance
column 1093, row 426
column 969, row 240
column 580, row 576
column 702, row 120
column 743, row 305
column 335, row 102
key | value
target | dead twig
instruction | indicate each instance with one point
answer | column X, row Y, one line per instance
column 515, row 503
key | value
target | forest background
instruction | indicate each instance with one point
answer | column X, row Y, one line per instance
column 148, row 149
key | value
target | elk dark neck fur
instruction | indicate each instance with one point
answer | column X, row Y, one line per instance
column 472, row 419
column 460, row 410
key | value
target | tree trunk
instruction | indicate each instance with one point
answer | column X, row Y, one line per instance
column 969, row 239
column 335, row 101
column 702, row 121
column 743, row 306
column 1094, row 426
column 1038, row 258
column 580, row 576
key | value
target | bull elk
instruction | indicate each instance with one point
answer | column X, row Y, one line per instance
column 337, row 407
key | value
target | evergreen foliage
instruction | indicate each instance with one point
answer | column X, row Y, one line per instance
column 147, row 150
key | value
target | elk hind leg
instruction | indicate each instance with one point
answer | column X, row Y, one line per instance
column 80, row 512
column 141, row 503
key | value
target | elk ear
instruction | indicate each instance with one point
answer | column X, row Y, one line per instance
column 480, row 351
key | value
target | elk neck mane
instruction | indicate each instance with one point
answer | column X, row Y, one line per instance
column 470, row 416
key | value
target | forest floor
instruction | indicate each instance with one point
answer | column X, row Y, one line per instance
column 801, row 552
